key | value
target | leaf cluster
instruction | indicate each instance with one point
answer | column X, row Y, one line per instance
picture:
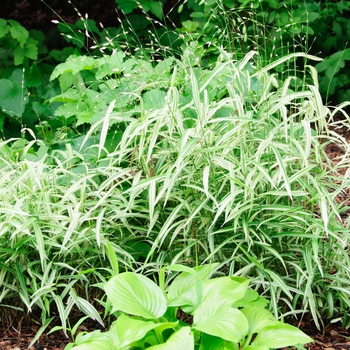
column 222, row 314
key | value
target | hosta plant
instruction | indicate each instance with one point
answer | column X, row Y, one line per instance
column 193, row 312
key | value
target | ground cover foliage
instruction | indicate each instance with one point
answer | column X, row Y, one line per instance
column 172, row 149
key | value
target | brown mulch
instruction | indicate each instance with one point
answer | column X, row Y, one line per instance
column 334, row 337
column 13, row 340
column 19, row 339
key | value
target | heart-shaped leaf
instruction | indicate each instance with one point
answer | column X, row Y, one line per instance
column 130, row 330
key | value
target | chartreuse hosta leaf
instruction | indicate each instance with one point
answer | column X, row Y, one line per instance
column 130, row 330
column 184, row 291
column 136, row 294
column 258, row 318
column 182, row 339
column 124, row 332
column 95, row 340
column 224, row 291
column 227, row 323
column 209, row 342
column 279, row 336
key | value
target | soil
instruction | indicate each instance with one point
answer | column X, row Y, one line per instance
column 334, row 337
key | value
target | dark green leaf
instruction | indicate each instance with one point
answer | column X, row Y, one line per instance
column 12, row 97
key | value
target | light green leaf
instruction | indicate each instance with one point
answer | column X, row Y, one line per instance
column 258, row 318
column 251, row 298
column 223, row 291
column 165, row 65
column 136, row 294
column 18, row 32
column 227, row 322
column 252, row 347
column 280, row 335
column 74, row 64
column 130, row 330
column 4, row 28
column 31, row 51
column 154, row 99
column 182, row 339
column 182, row 291
column 95, row 340
column 109, row 65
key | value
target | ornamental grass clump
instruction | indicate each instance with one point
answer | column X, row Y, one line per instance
column 187, row 165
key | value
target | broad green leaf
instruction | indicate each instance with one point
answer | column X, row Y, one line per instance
column 109, row 65
column 182, row 339
column 12, row 97
column 154, row 99
column 252, row 347
column 223, row 291
column 31, row 51
column 4, row 28
column 71, row 95
column 209, row 342
column 227, row 323
column 130, row 330
column 258, row 318
column 182, row 291
column 156, row 8
column 187, row 297
column 251, row 298
column 95, row 340
column 127, row 6
column 280, row 335
column 74, row 109
column 165, row 65
column 94, row 345
column 18, row 32
column 18, row 55
column 74, row 64
column 136, row 295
